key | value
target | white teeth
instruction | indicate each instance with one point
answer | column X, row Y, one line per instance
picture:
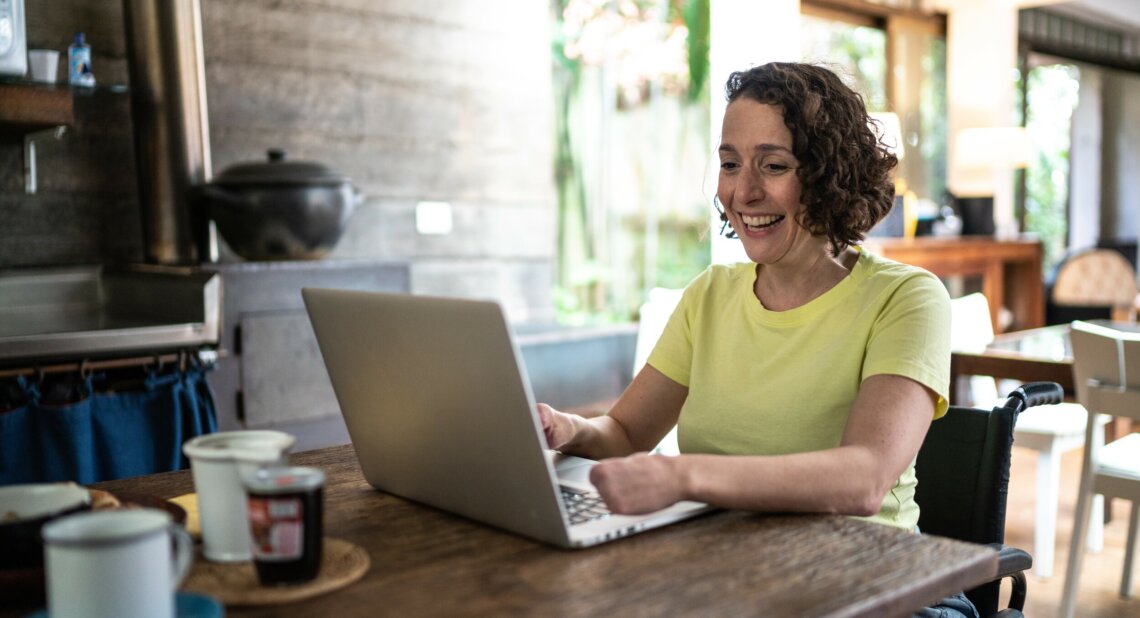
column 759, row 220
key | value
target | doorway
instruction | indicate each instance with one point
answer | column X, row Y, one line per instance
column 1052, row 93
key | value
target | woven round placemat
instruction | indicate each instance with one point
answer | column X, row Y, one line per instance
column 235, row 584
column 189, row 503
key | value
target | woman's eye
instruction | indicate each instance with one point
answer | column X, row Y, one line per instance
column 728, row 166
column 775, row 168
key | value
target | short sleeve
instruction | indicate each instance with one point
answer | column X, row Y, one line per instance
column 673, row 354
column 911, row 337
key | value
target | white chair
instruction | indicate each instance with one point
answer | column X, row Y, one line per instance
column 1049, row 430
column 1106, row 369
column 654, row 314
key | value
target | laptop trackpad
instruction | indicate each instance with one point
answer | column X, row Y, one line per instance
column 569, row 468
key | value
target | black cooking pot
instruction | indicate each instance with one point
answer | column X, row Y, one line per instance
column 279, row 209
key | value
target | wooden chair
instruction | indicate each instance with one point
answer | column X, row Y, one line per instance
column 1051, row 430
column 963, row 482
column 1106, row 370
column 1091, row 284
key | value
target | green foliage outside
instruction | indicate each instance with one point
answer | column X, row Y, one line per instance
column 632, row 140
column 631, row 121
column 858, row 54
column 1052, row 93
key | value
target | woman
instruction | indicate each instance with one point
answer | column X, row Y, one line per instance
column 804, row 380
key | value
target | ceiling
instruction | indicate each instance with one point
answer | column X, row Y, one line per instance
column 1117, row 14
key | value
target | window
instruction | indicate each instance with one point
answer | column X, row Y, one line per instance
column 632, row 146
column 853, row 47
column 897, row 61
column 1052, row 93
column 1080, row 80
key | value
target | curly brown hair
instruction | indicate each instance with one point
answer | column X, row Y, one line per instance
column 845, row 170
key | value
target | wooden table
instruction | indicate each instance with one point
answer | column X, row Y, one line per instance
column 427, row 562
column 1034, row 355
column 1010, row 270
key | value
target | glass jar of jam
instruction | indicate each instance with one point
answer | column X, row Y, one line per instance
column 285, row 523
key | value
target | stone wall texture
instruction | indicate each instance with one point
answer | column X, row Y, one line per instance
column 440, row 100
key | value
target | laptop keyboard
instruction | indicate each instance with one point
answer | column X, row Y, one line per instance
column 583, row 506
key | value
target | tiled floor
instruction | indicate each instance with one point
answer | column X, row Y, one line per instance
column 1100, row 576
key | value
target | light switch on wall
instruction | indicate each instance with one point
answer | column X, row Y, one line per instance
column 433, row 217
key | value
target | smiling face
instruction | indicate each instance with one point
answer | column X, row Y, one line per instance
column 758, row 187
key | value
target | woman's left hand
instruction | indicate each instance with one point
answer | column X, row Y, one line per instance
column 639, row 483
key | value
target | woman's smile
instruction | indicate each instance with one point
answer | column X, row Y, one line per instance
column 760, row 223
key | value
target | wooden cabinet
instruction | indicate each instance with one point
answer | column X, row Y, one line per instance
column 270, row 373
column 1010, row 270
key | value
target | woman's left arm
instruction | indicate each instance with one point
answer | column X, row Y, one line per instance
column 887, row 425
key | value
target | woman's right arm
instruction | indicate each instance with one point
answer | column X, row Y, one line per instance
column 642, row 416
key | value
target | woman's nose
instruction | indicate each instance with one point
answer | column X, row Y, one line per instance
column 749, row 185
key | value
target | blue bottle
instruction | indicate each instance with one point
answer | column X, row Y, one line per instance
column 79, row 62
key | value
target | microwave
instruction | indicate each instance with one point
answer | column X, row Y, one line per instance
column 13, row 44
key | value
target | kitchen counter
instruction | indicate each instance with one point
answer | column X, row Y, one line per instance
column 91, row 311
column 267, row 370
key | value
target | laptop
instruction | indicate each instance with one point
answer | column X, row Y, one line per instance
column 439, row 410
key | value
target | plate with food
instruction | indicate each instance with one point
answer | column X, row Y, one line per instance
column 25, row 508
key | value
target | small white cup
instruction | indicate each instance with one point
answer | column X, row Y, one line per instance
column 115, row 563
column 44, row 64
column 218, row 461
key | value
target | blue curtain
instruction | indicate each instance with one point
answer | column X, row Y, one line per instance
column 97, row 427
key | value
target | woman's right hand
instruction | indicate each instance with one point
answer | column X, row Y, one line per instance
column 559, row 427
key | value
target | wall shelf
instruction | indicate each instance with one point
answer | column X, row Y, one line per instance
column 28, row 107
column 32, row 111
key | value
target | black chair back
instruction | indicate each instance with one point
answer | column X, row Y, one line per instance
column 963, row 475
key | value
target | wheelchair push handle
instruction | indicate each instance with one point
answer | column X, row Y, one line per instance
column 1035, row 394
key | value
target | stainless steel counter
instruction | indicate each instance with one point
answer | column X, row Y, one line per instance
column 91, row 311
column 268, row 371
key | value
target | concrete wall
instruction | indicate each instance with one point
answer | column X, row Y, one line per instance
column 1085, row 159
column 86, row 210
column 1120, row 205
column 442, row 100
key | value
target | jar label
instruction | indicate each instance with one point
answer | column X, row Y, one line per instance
column 277, row 526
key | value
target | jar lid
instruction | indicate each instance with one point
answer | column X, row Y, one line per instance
column 277, row 169
column 283, row 480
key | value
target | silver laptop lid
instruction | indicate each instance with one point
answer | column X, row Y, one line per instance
column 437, row 405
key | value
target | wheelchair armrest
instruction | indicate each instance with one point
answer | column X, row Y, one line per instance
column 1013, row 563
column 1011, row 559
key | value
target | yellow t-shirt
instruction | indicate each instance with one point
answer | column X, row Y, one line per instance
column 766, row 383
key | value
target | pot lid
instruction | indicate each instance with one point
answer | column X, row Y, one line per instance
column 278, row 170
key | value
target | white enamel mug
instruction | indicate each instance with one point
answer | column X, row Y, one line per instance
column 218, row 461
column 115, row 564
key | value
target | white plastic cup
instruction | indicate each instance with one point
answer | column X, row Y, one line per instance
column 218, row 462
column 115, row 563
column 44, row 65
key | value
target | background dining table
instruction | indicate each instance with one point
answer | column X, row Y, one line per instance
column 428, row 562
column 1034, row 355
